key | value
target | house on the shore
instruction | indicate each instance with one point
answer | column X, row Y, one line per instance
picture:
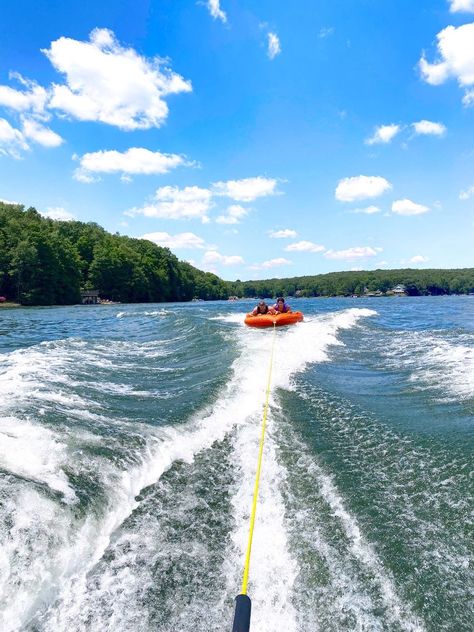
column 90, row 297
column 399, row 290
column 367, row 292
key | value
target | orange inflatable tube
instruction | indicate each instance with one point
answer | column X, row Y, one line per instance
column 268, row 320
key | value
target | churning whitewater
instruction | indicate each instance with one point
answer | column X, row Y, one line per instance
column 128, row 447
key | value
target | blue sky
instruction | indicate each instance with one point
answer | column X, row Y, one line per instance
column 254, row 139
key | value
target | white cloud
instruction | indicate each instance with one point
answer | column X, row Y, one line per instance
column 34, row 98
column 358, row 252
column 58, row 213
column 176, row 242
column 304, row 246
column 135, row 160
column 456, row 52
column 407, row 207
column 429, row 127
column 216, row 11
column 214, row 257
column 171, row 202
column 174, row 203
column 465, row 195
column 41, row 134
column 247, row 189
column 368, row 210
column 282, row 234
column 326, row 31
column 10, row 202
column 12, row 141
column 361, row 187
column 468, row 98
column 235, row 213
column 457, row 6
column 383, row 134
column 418, row 259
column 84, row 176
column 274, row 47
column 272, row 263
column 111, row 84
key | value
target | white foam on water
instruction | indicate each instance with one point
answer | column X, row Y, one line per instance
column 38, row 551
column 80, row 547
column 310, row 342
column 158, row 312
column 346, row 592
column 364, row 552
column 435, row 363
column 236, row 318
column 32, row 451
column 272, row 568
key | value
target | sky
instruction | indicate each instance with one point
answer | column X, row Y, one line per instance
column 254, row 139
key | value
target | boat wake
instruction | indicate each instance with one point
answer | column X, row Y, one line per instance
column 100, row 515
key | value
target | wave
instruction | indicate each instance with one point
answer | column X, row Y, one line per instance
column 435, row 363
column 153, row 313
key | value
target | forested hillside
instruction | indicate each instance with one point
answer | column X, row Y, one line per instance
column 416, row 282
column 46, row 262
column 49, row 262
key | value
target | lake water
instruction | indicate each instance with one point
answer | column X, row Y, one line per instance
column 128, row 446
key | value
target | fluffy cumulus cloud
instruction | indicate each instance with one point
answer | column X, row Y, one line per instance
column 358, row 252
column 213, row 257
column 33, row 98
column 274, row 263
column 429, row 128
column 175, row 203
column 171, row 202
column 247, row 189
column 181, row 241
column 407, row 207
column 233, row 215
column 459, row 6
column 12, row 141
column 418, row 259
column 109, row 83
column 304, row 246
column 383, row 134
column 285, row 233
column 361, row 188
column 273, row 45
column 104, row 82
column 134, row 161
column 58, row 213
column 467, row 193
column 214, row 7
column 456, row 59
column 40, row 134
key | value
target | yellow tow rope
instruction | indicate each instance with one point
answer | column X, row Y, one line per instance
column 257, row 476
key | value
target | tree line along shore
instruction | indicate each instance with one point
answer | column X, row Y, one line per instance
column 50, row 262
